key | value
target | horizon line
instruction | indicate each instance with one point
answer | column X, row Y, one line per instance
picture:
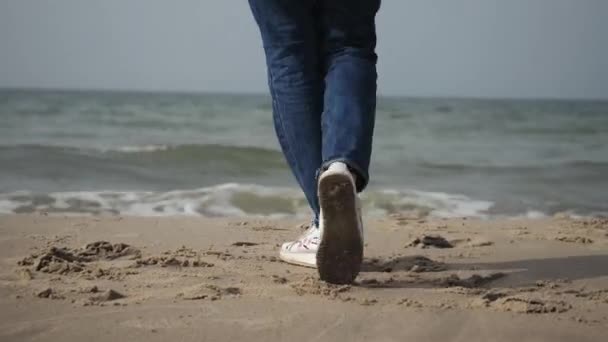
column 256, row 93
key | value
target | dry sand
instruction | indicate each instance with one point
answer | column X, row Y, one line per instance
column 194, row 279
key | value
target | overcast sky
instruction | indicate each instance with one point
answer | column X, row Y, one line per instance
column 479, row 48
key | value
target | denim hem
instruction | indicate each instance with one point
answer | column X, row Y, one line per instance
column 362, row 177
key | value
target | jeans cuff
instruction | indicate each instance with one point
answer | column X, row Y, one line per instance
column 361, row 176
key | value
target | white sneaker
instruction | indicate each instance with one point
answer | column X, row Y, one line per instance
column 340, row 250
column 302, row 251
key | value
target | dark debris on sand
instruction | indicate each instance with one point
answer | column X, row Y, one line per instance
column 428, row 241
column 473, row 281
column 416, row 264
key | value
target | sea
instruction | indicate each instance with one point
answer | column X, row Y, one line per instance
column 216, row 155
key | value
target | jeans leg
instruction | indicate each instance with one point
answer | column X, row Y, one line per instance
column 289, row 35
column 348, row 38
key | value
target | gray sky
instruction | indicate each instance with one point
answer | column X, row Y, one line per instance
column 480, row 48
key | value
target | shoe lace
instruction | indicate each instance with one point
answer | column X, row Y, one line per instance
column 307, row 233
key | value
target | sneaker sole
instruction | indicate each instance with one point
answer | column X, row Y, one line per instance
column 341, row 249
column 300, row 259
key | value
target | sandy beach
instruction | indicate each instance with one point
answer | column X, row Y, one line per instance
column 196, row 279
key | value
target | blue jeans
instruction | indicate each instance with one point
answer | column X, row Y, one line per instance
column 321, row 62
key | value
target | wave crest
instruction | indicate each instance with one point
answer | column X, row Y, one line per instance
column 232, row 200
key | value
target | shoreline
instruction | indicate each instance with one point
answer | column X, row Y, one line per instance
column 193, row 278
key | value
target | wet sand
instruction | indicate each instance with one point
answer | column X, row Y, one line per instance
column 196, row 279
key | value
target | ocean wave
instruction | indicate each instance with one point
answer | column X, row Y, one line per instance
column 190, row 149
column 138, row 149
column 253, row 156
column 143, row 158
column 206, row 152
column 233, row 200
column 143, row 149
column 514, row 166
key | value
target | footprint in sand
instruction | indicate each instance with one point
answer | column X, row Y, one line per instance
column 415, row 264
column 472, row 243
column 209, row 291
column 504, row 301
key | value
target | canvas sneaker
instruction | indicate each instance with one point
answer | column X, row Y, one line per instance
column 302, row 251
column 340, row 250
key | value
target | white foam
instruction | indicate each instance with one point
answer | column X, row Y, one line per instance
column 236, row 200
column 535, row 214
column 438, row 204
column 143, row 148
column 7, row 206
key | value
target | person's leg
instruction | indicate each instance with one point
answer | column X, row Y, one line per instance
column 288, row 29
column 348, row 39
column 348, row 42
